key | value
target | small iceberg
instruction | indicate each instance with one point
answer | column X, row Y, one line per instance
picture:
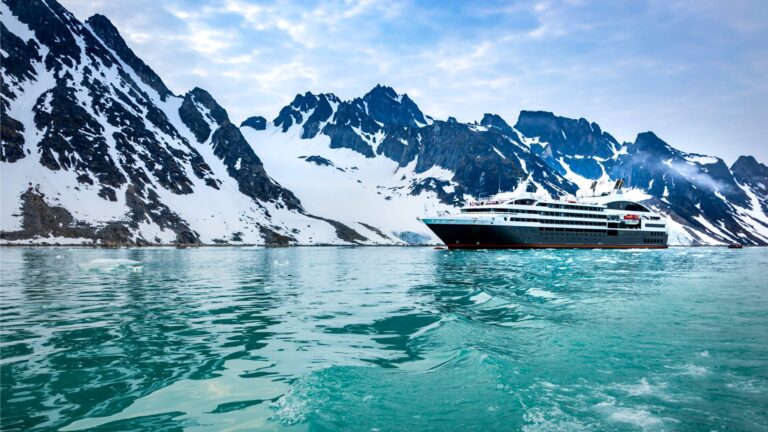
column 109, row 264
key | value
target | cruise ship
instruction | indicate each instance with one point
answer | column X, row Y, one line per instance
column 524, row 220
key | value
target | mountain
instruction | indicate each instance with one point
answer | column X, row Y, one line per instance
column 97, row 149
column 382, row 151
column 389, row 160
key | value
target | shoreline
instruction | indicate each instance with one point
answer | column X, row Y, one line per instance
column 268, row 246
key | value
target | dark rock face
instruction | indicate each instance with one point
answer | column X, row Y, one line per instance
column 751, row 173
column 747, row 170
column 199, row 120
column 495, row 121
column 42, row 219
column 342, row 231
column 151, row 209
column 202, row 114
column 39, row 218
column 387, row 107
column 572, row 142
column 376, row 230
column 255, row 122
column 85, row 150
column 111, row 37
column 244, row 166
column 567, row 136
column 318, row 160
column 322, row 112
column 293, row 113
column 12, row 146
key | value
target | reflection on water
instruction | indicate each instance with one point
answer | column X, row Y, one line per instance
column 383, row 338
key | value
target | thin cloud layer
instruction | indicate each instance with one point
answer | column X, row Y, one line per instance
column 694, row 72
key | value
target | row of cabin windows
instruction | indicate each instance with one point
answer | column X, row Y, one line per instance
column 521, row 219
column 578, row 230
column 616, row 205
column 653, row 225
column 570, row 207
column 627, row 205
column 542, row 213
column 558, row 222
column 653, row 241
column 587, row 215
column 562, row 222
column 657, row 233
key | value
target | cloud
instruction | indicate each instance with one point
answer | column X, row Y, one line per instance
column 701, row 179
column 691, row 71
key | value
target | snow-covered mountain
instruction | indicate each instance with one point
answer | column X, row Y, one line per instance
column 391, row 161
column 96, row 148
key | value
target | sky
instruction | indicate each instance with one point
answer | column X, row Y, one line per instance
column 694, row 72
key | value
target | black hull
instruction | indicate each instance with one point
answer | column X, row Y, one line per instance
column 477, row 236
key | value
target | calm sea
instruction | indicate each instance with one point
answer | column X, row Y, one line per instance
column 384, row 339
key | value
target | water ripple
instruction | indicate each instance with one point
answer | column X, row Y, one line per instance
column 382, row 338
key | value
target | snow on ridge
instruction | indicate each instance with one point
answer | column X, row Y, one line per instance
column 529, row 141
column 701, row 159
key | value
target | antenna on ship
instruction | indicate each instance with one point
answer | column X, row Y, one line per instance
column 593, row 188
column 617, row 187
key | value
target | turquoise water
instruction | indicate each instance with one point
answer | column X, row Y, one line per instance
column 387, row 339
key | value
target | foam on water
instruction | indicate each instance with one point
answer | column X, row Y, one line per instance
column 541, row 293
column 480, row 297
column 635, row 417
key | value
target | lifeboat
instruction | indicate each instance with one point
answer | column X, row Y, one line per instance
column 631, row 219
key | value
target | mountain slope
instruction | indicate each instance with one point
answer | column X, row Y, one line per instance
column 97, row 148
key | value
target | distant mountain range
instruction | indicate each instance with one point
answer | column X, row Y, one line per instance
column 96, row 149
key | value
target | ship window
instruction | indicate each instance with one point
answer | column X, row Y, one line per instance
column 627, row 206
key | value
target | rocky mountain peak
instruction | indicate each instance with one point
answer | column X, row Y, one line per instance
column 495, row 121
column 318, row 108
column 386, row 106
column 748, row 170
column 110, row 36
column 649, row 142
column 201, row 113
column 567, row 136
